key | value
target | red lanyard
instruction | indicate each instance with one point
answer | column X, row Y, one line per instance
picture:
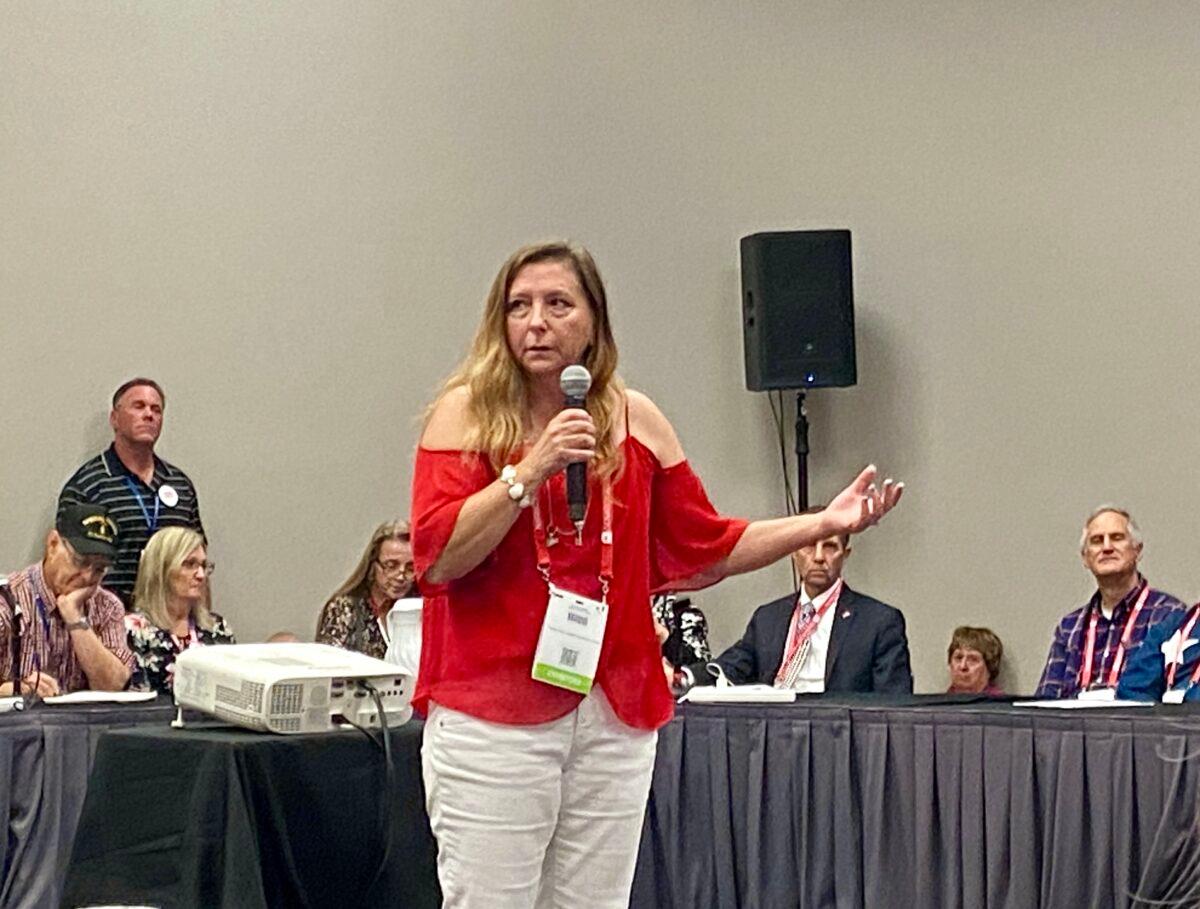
column 1089, row 646
column 183, row 643
column 798, row 636
column 606, row 538
column 1183, row 636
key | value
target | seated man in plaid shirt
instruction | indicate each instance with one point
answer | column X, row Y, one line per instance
column 72, row 630
column 1092, row 644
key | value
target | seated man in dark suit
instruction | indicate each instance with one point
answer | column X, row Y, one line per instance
column 824, row 637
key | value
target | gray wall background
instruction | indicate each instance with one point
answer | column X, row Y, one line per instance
column 289, row 214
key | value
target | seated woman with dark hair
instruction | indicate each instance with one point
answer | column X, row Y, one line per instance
column 974, row 656
column 173, row 613
column 355, row 618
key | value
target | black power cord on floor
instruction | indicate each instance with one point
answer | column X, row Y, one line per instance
column 384, row 743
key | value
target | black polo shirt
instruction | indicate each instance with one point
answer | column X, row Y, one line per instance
column 105, row 480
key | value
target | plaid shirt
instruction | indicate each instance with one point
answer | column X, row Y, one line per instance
column 1061, row 677
column 45, row 641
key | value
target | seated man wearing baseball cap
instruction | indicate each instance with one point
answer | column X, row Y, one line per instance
column 71, row 630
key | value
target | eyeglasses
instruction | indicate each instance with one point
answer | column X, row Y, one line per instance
column 98, row 565
column 403, row 569
column 190, row 565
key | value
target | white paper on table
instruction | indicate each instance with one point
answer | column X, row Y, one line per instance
column 738, row 694
column 1107, row 695
column 101, row 697
column 1081, row 705
column 14, row 703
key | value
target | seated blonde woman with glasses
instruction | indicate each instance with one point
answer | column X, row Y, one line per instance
column 355, row 618
column 173, row 611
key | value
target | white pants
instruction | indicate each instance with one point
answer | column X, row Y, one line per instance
column 547, row 815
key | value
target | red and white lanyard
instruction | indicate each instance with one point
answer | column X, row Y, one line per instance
column 1089, row 644
column 606, row 538
column 1175, row 663
column 798, row 637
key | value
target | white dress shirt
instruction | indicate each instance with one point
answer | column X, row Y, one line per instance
column 811, row 676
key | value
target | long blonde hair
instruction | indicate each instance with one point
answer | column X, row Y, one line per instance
column 163, row 556
column 498, row 387
column 359, row 582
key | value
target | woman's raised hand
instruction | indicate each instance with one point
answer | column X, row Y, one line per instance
column 862, row 504
column 569, row 437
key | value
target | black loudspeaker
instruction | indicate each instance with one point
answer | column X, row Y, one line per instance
column 798, row 310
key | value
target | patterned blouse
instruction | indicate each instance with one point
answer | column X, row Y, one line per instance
column 155, row 649
column 349, row 623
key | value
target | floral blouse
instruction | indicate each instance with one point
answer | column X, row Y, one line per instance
column 349, row 623
column 154, row 649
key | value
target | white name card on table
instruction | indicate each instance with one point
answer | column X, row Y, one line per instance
column 7, row 704
column 101, row 697
column 738, row 694
column 1108, row 695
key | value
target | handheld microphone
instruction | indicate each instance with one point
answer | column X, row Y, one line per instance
column 575, row 382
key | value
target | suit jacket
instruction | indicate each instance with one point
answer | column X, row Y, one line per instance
column 868, row 647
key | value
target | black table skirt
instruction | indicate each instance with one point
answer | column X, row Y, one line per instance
column 45, row 757
column 819, row 804
column 838, row 804
column 223, row 817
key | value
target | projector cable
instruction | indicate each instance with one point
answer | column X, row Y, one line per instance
column 384, row 743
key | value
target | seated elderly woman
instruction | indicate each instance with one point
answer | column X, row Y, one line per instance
column 172, row 599
column 355, row 618
column 974, row 656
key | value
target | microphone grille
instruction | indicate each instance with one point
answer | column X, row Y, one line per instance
column 575, row 381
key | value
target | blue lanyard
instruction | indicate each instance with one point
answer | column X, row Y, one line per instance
column 41, row 608
column 152, row 523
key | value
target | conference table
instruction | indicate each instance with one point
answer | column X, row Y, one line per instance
column 212, row 815
column 837, row 801
column 45, row 759
column 923, row 802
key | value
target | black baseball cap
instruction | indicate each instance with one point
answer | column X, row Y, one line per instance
column 88, row 529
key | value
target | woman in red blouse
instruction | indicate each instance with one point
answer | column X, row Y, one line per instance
column 536, row 789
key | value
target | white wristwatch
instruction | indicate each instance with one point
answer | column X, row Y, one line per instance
column 516, row 489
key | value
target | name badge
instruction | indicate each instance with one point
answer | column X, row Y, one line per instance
column 568, row 649
column 1174, row 696
column 168, row 496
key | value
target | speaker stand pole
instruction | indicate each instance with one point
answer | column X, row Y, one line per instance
column 801, row 452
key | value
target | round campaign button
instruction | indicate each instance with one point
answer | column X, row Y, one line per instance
column 168, row 496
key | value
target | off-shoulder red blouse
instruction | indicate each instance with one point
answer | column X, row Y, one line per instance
column 480, row 631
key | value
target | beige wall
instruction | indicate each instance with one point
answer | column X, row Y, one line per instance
column 289, row 214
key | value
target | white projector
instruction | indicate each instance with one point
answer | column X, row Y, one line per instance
column 289, row 687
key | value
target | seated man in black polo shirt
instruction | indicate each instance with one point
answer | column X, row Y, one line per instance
column 824, row 637
column 142, row 492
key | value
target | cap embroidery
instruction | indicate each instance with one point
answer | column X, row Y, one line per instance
column 99, row 527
